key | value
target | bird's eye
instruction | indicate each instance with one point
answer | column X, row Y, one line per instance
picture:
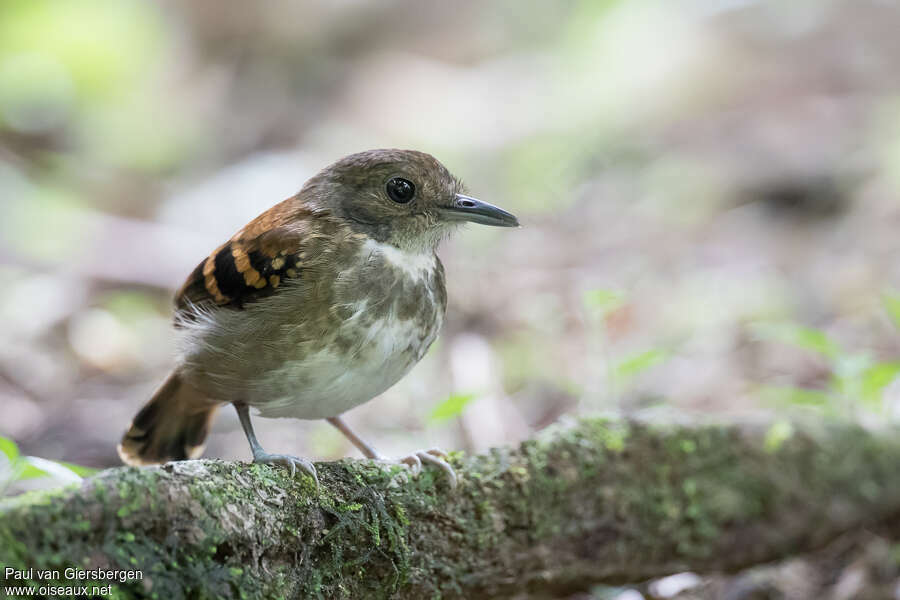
column 400, row 190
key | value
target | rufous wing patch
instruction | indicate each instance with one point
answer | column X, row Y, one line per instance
column 244, row 269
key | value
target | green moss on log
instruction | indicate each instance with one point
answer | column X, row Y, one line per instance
column 603, row 502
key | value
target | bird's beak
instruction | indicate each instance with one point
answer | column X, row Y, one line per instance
column 465, row 208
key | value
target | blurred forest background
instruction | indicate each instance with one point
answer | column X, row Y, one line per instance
column 708, row 191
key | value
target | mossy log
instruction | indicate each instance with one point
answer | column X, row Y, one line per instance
column 602, row 502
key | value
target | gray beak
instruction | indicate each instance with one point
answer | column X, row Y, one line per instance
column 465, row 208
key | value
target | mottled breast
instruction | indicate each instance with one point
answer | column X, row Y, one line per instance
column 387, row 309
column 395, row 293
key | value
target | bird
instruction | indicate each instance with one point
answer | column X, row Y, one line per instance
column 318, row 305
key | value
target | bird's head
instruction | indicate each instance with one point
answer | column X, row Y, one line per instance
column 401, row 197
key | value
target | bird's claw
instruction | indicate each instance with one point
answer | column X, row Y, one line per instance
column 291, row 462
column 433, row 456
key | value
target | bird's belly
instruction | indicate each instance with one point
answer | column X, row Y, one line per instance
column 286, row 372
column 337, row 378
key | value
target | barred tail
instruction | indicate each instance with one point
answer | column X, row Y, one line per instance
column 172, row 426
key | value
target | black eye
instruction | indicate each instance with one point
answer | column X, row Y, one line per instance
column 400, row 190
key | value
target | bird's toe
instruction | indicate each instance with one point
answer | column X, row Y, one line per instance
column 289, row 462
column 437, row 458
column 413, row 462
column 432, row 456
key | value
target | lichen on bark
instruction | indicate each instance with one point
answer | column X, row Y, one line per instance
column 601, row 502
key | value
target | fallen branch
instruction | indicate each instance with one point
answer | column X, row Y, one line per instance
column 603, row 502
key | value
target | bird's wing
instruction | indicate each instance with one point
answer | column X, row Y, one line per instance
column 249, row 266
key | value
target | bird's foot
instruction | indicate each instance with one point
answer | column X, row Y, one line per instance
column 287, row 461
column 433, row 456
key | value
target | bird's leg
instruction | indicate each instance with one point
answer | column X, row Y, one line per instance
column 367, row 450
column 432, row 456
column 263, row 457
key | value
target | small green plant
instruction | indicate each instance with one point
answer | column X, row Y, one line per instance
column 855, row 378
column 19, row 467
column 630, row 367
column 451, row 407
column 600, row 304
column 891, row 303
column 603, row 302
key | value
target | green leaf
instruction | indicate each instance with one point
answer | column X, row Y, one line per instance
column 41, row 467
column 795, row 396
column 603, row 301
column 778, row 433
column 9, row 449
column 79, row 470
column 875, row 379
column 30, row 471
column 638, row 363
column 451, row 407
column 892, row 305
column 799, row 336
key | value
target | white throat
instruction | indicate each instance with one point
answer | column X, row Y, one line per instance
column 415, row 264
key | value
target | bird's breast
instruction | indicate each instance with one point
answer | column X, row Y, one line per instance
column 385, row 315
column 390, row 302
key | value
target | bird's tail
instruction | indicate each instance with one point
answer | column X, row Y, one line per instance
column 172, row 426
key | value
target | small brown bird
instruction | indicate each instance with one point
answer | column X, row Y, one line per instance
column 321, row 303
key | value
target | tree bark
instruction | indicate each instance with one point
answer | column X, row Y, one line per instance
column 602, row 502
